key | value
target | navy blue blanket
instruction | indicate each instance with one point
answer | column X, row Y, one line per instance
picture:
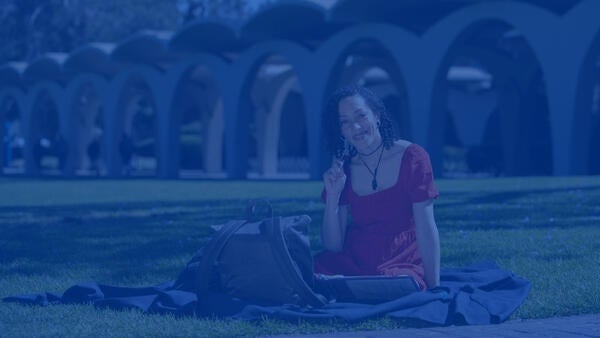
column 478, row 294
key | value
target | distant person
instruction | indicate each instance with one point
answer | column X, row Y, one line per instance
column 61, row 150
column 126, row 149
column 378, row 194
column 40, row 149
column 8, row 140
column 16, row 143
column 93, row 152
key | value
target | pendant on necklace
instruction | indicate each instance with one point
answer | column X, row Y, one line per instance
column 374, row 184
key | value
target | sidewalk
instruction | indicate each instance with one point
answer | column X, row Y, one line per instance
column 576, row 326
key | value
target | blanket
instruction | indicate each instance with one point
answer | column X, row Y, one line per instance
column 478, row 294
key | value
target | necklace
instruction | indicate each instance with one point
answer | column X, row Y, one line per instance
column 373, row 172
column 371, row 153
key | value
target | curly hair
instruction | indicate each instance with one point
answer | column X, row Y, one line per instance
column 332, row 135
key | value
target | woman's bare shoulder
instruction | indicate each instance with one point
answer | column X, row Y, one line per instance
column 400, row 146
column 396, row 151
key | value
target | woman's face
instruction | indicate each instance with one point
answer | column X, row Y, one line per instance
column 358, row 123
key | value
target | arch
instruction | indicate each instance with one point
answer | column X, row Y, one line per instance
column 584, row 123
column 18, row 96
column 236, row 119
column 213, row 137
column 593, row 164
column 518, row 141
column 437, row 42
column 217, row 67
column 584, row 50
column 279, row 88
column 213, row 151
column 289, row 137
column 56, row 94
column 76, row 130
column 447, row 31
column 157, row 87
column 497, row 157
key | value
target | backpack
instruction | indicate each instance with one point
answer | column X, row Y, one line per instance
column 266, row 261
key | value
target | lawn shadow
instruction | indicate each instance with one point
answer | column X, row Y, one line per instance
column 534, row 208
column 506, row 196
column 138, row 234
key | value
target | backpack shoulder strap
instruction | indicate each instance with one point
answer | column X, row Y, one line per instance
column 288, row 268
column 211, row 253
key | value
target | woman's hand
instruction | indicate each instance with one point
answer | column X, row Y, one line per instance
column 335, row 216
column 334, row 179
column 428, row 241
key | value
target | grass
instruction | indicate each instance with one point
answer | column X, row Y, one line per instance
column 56, row 233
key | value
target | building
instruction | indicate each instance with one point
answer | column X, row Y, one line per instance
column 507, row 87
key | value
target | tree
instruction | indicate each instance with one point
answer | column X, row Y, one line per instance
column 227, row 9
column 29, row 28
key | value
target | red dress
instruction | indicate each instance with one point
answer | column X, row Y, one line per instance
column 381, row 237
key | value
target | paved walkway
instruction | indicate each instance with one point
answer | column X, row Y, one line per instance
column 567, row 327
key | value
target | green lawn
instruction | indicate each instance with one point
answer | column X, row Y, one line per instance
column 56, row 233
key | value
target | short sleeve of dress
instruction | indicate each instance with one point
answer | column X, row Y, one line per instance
column 420, row 182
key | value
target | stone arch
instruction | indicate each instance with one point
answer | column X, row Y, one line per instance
column 140, row 92
column 209, row 100
column 12, row 101
column 286, row 109
column 438, row 44
column 241, row 77
column 594, row 141
column 53, row 123
column 493, row 131
column 524, row 120
column 584, row 51
column 587, row 123
column 272, row 83
column 87, row 122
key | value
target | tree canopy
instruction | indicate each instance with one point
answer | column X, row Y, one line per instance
column 29, row 28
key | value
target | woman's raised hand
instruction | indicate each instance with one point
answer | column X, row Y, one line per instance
column 334, row 178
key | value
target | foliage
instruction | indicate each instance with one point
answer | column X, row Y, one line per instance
column 229, row 9
column 29, row 28
column 33, row 27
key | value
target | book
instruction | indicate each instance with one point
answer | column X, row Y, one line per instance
column 370, row 289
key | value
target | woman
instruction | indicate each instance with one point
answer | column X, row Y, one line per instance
column 379, row 192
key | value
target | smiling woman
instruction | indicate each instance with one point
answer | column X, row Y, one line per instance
column 385, row 186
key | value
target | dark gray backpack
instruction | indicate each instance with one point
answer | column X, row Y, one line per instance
column 266, row 262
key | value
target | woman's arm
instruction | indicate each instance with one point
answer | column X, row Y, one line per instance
column 428, row 241
column 335, row 216
column 335, row 219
